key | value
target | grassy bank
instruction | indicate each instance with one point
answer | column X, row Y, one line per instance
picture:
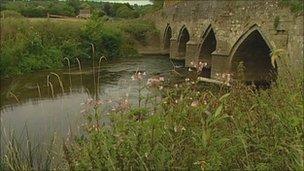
column 186, row 126
column 29, row 45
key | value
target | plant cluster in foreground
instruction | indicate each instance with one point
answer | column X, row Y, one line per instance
column 186, row 126
column 193, row 128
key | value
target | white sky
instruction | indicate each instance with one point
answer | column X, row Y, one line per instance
column 131, row 2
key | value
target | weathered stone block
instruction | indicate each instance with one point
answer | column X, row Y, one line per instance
column 220, row 65
column 173, row 49
column 191, row 53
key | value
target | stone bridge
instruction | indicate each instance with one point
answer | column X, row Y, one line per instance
column 225, row 33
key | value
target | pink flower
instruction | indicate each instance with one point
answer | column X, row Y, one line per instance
column 195, row 103
column 138, row 76
column 154, row 82
column 224, row 77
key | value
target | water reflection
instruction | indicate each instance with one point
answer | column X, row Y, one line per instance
column 45, row 114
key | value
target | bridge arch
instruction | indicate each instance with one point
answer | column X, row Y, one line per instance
column 254, row 50
column 183, row 38
column 167, row 37
column 207, row 45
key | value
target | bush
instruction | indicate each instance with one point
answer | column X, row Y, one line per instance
column 32, row 11
column 37, row 45
column 41, row 8
column 140, row 30
column 42, row 44
column 10, row 13
column 61, row 8
column 98, row 14
column 126, row 12
column 106, row 41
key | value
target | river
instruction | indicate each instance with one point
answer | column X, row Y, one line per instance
column 27, row 99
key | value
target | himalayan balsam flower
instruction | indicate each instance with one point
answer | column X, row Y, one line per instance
column 138, row 76
column 195, row 103
column 224, row 77
column 198, row 66
column 90, row 104
column 156, row 82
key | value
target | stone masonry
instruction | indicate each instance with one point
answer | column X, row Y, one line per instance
column 222, row 33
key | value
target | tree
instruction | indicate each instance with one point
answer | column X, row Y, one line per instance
column 108, row 9
column 126, row 12
column 75, row 4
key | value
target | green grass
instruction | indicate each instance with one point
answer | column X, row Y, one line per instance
column 44, row 43
column 187, row 127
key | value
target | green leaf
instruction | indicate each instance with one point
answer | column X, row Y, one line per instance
column 224, row 96
column 218, row 110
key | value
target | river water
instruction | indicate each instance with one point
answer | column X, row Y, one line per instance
column 28, row 100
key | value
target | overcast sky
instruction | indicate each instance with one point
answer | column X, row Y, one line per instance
column 131, row 2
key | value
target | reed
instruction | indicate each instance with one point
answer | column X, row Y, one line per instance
column 69, row 65
column 80, row 70
column 49, row 84
column 93, row 68
column 19, row 158
column 38, row 89
column 59, row 80
column 14, row 96
column 29, row 148
column 49, row 157
column 98, row 73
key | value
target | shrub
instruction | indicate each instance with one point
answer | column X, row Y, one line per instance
column 10, row 13
column 37, row 45
column 140, row 30
column 42, row 44
column 60, row 8
column 33, row 11
column 126, row 12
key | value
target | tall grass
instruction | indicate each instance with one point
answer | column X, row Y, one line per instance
column 193, row 128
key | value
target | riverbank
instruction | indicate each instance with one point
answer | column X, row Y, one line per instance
column 48, row 43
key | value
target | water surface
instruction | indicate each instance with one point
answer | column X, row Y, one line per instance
column 28, row 99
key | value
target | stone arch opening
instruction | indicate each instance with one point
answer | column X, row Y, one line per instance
column 167, row 37
column 184, row 37
column 207, row 46
column 254, row 52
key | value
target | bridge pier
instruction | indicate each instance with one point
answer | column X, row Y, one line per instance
column 191, row 53
column 219, row 65
column 174, row 49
